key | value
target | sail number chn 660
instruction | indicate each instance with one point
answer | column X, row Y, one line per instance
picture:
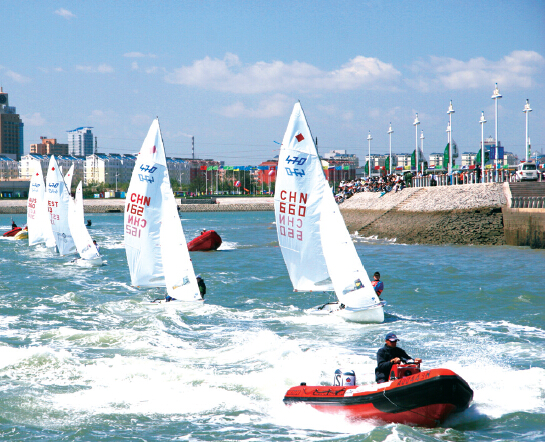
column 292, row 211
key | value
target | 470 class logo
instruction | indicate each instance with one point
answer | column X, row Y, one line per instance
column 148, row 169
column 296, row 161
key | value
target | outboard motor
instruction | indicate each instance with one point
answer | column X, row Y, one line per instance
column 344, row 378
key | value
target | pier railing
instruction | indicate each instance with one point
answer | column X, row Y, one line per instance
column 469, row 177
column 528, row 202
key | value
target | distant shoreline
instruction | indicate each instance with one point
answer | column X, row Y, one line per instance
column 117, row 205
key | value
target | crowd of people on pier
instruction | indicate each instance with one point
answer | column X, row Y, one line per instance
column 383, row 184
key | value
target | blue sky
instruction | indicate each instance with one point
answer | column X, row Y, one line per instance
column 229, row 72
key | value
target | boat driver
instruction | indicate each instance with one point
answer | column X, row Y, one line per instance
column 388, row 356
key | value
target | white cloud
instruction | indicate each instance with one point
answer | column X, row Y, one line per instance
column 134, row 66
column 47, row 70
column 277, row 105
column 18, row 78
column 230, row 75
column 141, row 120
column 101, row 69
column 334, row 111
column 103, row 117
column 138, row 55
column 65, row 13
column 516, row 69
column 34, row 119
column 154, row 70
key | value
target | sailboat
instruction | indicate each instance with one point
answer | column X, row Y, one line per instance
column 39, row 225
column 155, row 243
column 58, row 198
column 316, row 246
column 84, row 244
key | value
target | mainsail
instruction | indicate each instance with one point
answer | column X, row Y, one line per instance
column 39, row 226
column 58, row 197
column 300, row 186
column 82, row 239
column 315, row 243
column 154, row 239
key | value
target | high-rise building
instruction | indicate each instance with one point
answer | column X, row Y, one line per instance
column 80, row 141
column 11, row 129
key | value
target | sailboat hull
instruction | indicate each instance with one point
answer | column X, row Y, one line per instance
column 92, row 262
column 175, row 303
column 373, row 314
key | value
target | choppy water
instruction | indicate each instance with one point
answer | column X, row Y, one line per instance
column 82, row 360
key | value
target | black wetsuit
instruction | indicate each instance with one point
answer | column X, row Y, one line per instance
column 384, row 356
column 202, row 287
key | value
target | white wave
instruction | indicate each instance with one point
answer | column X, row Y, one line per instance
column 228, row 245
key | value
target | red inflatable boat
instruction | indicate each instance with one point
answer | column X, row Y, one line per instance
column 411, row 396
column 209, row 240
column 13, row 232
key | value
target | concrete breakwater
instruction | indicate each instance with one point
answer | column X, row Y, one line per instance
column 466, row 214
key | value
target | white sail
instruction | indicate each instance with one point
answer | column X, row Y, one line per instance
column 300, row 185
column 143, row 213
column 154, row 239
column 179, row 274
column 39, row 226
column 350, row 280
column 58, row 199
column 82, row 239
column 78, row 204
column 68, row 179
column 315, row 243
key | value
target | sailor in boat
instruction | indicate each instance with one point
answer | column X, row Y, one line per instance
column 377, row 284
column 388, row 356
column 202, row 286
column 96, row 245
column 89, row 223
column 202, row 290
column 13, row 225
column 202, row 231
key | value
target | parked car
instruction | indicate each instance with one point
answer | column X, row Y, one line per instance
column 526, row 171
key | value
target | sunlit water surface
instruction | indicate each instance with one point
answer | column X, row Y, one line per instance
column 81, row 359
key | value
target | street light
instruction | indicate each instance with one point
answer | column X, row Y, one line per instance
column 422, row 149
column 369, row 138
column 415, row 124
column 527, row 110
column 390, row 132
column 482, row 121
column 450, row 112
column 495, row 96
column 448, row 142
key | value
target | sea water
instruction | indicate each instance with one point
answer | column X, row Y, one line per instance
column 82, row 359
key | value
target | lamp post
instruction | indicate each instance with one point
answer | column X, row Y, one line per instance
column 422, row 149
column 450, row 112
column 369, row 138
column 495, row 96
column 482, row 121
column 415, row 124
column 449, row 153
column 390, row 132
column 527, row 110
